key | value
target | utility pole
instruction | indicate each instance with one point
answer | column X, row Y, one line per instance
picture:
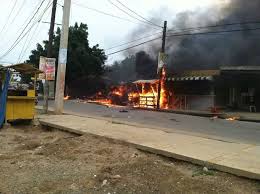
column 61, row 73
column 160, row 70
column 49, row 54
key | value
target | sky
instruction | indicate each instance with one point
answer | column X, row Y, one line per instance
column 103, row 30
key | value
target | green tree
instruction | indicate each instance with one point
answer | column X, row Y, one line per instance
column 84, row 62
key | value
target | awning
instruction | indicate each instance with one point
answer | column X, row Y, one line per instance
column 24, row 68
column 152, row 81
column 240, row 68
column 2, row 68
column 191, row 78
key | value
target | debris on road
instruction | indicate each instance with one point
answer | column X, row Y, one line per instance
column 213, row 118
column 123, row 111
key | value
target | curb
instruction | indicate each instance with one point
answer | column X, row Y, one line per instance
column 192, row 113
column 226, row 116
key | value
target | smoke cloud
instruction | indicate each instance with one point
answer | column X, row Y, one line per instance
column 211, row 51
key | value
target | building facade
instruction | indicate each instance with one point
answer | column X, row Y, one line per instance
column 230, row 88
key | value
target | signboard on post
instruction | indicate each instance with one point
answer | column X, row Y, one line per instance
column 47, row 65
column 42, row 67
column 161, row 61
column 50, row 69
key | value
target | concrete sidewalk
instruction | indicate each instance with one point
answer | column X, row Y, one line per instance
column 234, row 158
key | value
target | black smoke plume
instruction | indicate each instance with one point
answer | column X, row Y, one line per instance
column 211, row 51
column 145, row 66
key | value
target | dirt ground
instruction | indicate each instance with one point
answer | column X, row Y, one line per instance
column 33, row 160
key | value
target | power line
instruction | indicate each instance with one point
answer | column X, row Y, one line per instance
column 27, row 19
column 104, row 13
column 21, row 36
column 34, row 33
column 19, row 10
column 23, row 47
column 25, row 50
column 214, row 32
column 138, row 14
column 9, row 16
column 188, row 34
column 217, row 25
column 125, row 43
column 134, row 46
column 132, row 15
column 16, row 42
column 60, row 4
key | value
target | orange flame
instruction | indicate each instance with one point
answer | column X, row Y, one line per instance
column 119, row 91
column 232, row 118
column 148, row 96
column 145, row 97
column 106, row 102
column 163, row 93
column 66, row 97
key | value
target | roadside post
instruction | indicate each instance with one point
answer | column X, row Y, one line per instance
column 159, row 66
column 62, row 61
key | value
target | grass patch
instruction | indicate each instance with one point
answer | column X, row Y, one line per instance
column 258, row 186
column 201, row 172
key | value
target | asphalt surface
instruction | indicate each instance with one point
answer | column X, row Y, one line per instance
column 219, row 129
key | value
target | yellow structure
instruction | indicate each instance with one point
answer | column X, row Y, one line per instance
column 21, row 107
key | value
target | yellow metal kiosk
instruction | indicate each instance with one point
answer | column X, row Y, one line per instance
column 21, row 102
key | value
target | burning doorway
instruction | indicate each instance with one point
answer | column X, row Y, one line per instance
column 144, row 94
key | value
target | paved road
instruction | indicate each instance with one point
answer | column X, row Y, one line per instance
column 231, row 131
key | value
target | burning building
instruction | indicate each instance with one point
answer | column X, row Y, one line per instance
column 140, row 93
column 146, row 95
column 234, row 87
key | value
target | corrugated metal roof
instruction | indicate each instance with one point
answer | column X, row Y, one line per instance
column 152, row 81
column 200, row 73
column 24, row 68
column 191, row 78
column 2, row 68
column 240, row 68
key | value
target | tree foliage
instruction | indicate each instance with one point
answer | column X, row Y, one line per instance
column 84, row 62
